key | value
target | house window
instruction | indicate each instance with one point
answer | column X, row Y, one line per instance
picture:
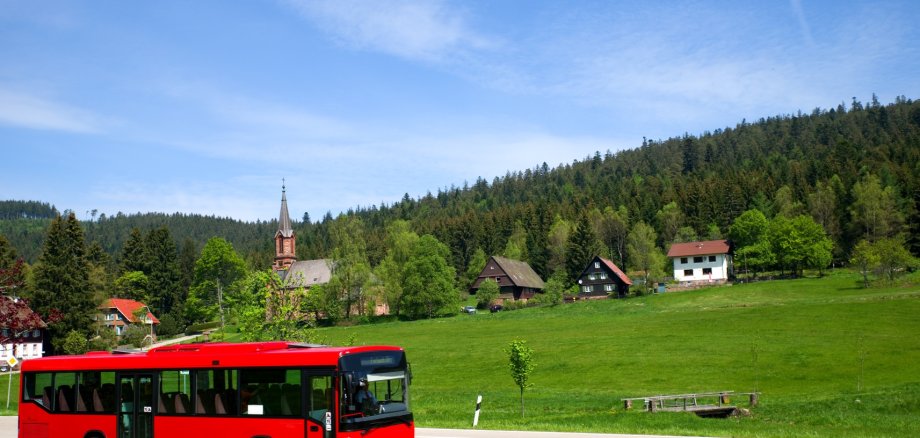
column 707, row 271
column 683, row 260
column 591, row 277
column 712, row 258
column 698, row 259
column 608, row 287
column 597, row 265
column 602, row 275
column 586, row 289
column 688, row 272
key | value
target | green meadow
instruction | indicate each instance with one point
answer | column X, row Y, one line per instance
column 828, row 357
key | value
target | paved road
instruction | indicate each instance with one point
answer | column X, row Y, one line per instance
column 8, row 430
column 8, row 427
column 456, row 433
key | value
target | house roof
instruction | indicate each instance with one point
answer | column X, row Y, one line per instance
column 284, row 219
column 306, row 273
column 520, row 273
column 18, row 316
column 127, row 308
column 708, row 247
column 616, row 271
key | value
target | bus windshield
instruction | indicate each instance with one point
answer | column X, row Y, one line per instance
column 375, row 388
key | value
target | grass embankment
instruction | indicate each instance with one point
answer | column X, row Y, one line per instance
column 11, row 386
column 812, row 347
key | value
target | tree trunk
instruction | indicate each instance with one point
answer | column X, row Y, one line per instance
column 522, row 402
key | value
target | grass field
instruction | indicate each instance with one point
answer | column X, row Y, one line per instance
column 830, row 359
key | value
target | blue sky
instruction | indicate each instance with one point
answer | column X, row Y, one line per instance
column 204, row 106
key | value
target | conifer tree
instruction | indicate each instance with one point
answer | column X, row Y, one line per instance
column 62, row 281
column 162, row 270
column 582, row 247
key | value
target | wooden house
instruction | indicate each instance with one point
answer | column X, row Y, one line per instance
column 516, row 279
column 602, row 278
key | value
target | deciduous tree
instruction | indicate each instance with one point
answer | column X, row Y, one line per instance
column 643, row 254
column 217, row 272
column 429, row 280
column 521, row 364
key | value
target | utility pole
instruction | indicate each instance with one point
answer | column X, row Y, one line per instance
column 220, row 306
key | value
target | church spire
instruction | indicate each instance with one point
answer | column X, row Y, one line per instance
column 284, row 219
column 285, row 241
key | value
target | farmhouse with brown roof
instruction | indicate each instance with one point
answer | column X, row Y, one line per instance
column 516, row 279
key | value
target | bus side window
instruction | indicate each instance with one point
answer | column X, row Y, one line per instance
column 216, row 393
column 320, row 397
column 38, row 389
column 175, row 392
column 271, row 392
column 64, row 387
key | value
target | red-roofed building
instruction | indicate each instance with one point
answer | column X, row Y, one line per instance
column 119, row 313
column 701, row 262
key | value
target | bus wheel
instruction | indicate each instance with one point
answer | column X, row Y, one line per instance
column 94, row 434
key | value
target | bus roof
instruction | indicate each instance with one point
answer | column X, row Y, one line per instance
column 210, row 355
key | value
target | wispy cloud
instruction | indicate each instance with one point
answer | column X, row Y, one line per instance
column 427, row 30
column 36, row 112
column 803, row 22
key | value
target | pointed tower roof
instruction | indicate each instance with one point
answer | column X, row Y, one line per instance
column 284, row 219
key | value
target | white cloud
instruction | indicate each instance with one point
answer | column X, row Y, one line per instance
column 36, row 112
column 427, row 30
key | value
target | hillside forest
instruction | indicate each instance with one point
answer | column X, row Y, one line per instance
column 816, row 190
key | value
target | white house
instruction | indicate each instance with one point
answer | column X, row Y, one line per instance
column 21, row 331
column 701, row 262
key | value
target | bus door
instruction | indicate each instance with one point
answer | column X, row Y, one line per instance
column 135, row 405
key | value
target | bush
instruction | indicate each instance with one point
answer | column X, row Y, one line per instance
column 104, row 341
column 198, row 328
column 135, row 335
column 75, row 343
column 514, row 305
column 170, row 325
column 487, row 293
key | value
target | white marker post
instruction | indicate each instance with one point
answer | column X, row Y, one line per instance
column 12, row 362
column 478, row 407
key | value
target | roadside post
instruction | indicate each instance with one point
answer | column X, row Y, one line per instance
column 9, row 386
column 478, row 407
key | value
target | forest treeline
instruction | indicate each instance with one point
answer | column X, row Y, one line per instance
column 794, row 192
column 700, row 183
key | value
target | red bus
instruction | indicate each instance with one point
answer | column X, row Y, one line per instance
column 251, row 390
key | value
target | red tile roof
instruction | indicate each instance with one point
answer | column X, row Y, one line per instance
column 709, row 247
column 616, row 271
column 127, row 308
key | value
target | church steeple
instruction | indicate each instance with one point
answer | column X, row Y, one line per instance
column 285, row 253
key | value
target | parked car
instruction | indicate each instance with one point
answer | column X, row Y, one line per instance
column 4, row 367
column 496, row 308
column 469, row 309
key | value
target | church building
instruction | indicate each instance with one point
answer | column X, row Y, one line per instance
column 294, row 273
